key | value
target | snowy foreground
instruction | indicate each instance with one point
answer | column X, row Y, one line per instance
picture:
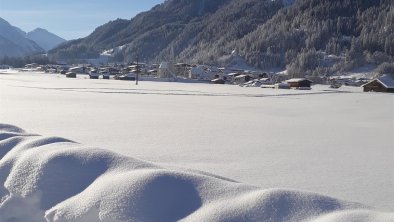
column 287, row 144
column 62, row 180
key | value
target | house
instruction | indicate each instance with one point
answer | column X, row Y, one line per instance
column 231, row 76
column 140, row 68
column 242, row 79
column 265, row 81
column 317, row 79
column 282, row 85
column 78, row 69
column 71, row 75
column 218, row 81
column 182, row 69
column 32, row 66
column 299, row 83
column 384, row 83
column 201, row 72
column 113, row 70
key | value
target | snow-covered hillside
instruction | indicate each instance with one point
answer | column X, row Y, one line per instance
column 287, row 145
column 44, row 39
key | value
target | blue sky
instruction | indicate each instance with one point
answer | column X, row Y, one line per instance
column 70, row 19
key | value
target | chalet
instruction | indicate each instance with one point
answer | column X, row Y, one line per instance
column 242, row 79
column 140, row 68
column 71, row 75
column 32, row 66
column 218, row 81
column 93, row 73
column 182, row 69
column 128, row 76
column 282, row 85
column 253, row 74
column 265, row 80
column 152, row 72
column 299, row 83
column 384, row 83
column 78, row 69
column 113, row 70
column 317, row 79
column 231, row 76
column 201, row 72
column 103, row 71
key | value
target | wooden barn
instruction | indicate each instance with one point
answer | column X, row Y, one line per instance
column 384, row 83
column 299, row 83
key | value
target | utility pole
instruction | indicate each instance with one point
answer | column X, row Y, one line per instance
column 136, row 79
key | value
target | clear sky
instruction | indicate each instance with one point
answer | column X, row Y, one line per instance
column 70, row 19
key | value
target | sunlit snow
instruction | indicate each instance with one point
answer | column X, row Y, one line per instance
column 282, row 146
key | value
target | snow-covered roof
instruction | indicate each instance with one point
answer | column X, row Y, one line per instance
column 297, row 80
column 240, row 76
column 182, row 64
column 75, row 68
column 387, row 81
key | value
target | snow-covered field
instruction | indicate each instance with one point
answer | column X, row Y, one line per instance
column 332, row 142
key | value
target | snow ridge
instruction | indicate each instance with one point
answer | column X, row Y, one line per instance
column 55, row 179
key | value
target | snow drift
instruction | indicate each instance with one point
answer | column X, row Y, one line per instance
column 55, row 179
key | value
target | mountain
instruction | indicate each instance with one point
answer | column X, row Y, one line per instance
column 13, row 42
column 45, row 39
column 174, row 29
column 288, row 2
column 304, row 36
column 323, row 37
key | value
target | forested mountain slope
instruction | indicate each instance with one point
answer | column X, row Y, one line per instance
column 307, row 36
column 175, row 30
column 301, row 36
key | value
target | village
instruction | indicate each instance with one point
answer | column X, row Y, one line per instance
column 193, row 73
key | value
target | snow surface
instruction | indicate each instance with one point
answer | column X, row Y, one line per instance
column 333, row 142
column 54, row 179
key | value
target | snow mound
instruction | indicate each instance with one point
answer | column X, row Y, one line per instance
column 54, row 179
